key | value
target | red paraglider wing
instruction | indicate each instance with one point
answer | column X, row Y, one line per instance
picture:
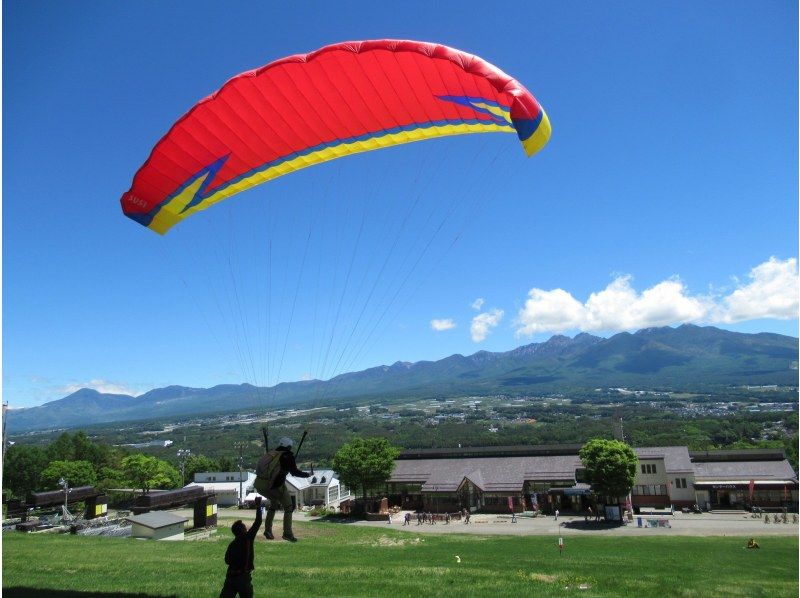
column 306, row 109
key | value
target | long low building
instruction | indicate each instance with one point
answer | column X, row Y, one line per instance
column 726, row 479
column 230, row 486
column 523, row 478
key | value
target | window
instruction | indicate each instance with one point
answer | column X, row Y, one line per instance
column 648, row 468
column 644, row 468
column 680, row 482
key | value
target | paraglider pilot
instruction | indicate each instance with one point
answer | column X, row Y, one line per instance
column 239, row 558
column 270, row 482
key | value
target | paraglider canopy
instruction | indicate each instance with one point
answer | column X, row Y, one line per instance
column 310, row 108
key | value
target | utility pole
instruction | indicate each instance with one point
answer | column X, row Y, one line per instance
column 240, row 446
column 65, row 485
column 183, row 454
column 619, row 433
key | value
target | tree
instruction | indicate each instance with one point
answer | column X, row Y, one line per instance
column 85, row 450
column 610, row 466
column 199, row 463
column 22, row 469
column 166, row 477
column 61, row 449
column 147, row 472
column 108, row 478
column 77, row 473
column 365, row 463
column 226, row 464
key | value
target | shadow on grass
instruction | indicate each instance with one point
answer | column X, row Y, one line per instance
column 17, row 592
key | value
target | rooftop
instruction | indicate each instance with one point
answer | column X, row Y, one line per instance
column 744, row 470
column 491, row 451
column 225, row 486
column 157, row 519
column 507, row 468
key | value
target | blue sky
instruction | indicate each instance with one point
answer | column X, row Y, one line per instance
column 668, row 193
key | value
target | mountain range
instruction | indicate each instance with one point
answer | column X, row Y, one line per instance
column 688, row 357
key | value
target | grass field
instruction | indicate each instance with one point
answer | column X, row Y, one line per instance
column 339, row 560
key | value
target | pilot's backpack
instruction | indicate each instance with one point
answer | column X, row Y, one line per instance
column 267, row 470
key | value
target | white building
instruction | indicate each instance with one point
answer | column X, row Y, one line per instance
column 157, row 525
column 323, row 488
column 231, row 487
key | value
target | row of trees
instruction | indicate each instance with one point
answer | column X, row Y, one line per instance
column 82, row 462
column 74, row 457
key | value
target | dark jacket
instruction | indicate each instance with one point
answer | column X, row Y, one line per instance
column 288, row 466
column 239, row 556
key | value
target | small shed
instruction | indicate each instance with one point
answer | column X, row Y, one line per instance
column 157, row 525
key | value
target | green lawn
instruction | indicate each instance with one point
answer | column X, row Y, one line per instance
column 341, row 560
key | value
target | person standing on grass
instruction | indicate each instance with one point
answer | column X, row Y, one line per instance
column 239, row 558
column 271, row 473
column 407, row 519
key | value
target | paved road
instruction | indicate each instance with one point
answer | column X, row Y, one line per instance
column 706, row 524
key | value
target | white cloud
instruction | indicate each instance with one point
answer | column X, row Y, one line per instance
column 478, row 303
column 553, row 311
column 444, row 324
column 103, row 386
column 482, row 324
column 771, row 293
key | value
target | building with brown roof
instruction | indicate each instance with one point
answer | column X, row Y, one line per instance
column 498, row 479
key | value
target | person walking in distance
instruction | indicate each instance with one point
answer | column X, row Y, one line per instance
column 239, row 558
column 271, row 473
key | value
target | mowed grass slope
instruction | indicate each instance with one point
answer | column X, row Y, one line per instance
column 342, row 560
